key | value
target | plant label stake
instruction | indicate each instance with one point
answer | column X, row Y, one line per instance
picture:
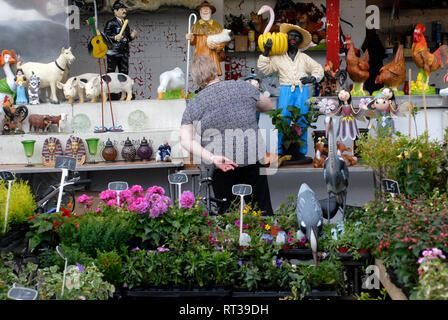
column 61, row 253
column 391, row 186
column 7, row 176
column 66, row 164
column 118, row 186
column 179, row 179
column 242, row 190
column 20, row 293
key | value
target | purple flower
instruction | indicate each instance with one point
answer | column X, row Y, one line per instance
column 187, row 199
column 240, row 263
column 162, row 249
column 80, row 267
column 278, row 262
column 135, row 249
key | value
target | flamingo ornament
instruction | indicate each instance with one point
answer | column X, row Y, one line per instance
column 8, row 85
column 279, row 39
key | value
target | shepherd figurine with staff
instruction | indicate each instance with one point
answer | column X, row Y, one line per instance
column 203, row 28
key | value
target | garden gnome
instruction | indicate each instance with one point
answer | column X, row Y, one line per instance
column 118, row 55
column 164, row 152
column 295, row 69
column 75, row 148
column 52, row 148
column 204, row 27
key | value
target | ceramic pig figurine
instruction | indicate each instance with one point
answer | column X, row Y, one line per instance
column 118, row 83
column 72, row 89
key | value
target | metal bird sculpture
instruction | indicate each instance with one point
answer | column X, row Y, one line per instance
column 309, row 217
column 335, row 167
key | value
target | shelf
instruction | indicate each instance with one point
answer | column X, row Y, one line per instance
column 99, row 166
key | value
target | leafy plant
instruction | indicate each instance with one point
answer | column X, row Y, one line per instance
column 21, row 203
column 433, row 279
column 291, row 127
column 110, row 264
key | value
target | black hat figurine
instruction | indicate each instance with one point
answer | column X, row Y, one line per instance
column 118, row 4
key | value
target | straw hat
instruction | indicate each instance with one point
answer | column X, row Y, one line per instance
column 206, row 4
column 286, row 27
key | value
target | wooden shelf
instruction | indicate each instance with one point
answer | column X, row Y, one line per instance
column 99, row 166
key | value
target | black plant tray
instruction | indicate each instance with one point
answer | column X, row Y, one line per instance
column 166, row 292
column 348, row 257
column 300, row 254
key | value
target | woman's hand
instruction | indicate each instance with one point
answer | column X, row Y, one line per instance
column 223, row 163
column 212, row 46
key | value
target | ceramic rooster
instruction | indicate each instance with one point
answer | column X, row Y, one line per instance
column 357, row 68
column 393, row 74
column 426, row 61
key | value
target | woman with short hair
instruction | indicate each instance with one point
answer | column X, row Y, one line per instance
column 223, row 114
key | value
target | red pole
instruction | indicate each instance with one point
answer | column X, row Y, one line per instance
column 333, row 28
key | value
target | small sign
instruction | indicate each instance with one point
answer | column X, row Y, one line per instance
column 177, row 178
column 118, row 186
column 61, row 253
column 242, row 189
column 6, row 175
column 391, row 186
column 19, row 293
column 65, row 163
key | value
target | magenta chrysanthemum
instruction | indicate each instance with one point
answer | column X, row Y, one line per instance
column 187, row 199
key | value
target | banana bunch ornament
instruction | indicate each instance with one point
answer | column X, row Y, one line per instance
column 279, row 39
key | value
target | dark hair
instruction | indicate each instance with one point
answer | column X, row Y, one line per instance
column 349, row 99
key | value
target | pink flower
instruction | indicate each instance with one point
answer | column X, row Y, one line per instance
column 162, row 249
column 205, row 214
column 290, row 239
column 187, row 199
column 156, row 189
column 209, row 223
column 125, row 196
column 84, row 198
column 136, row 189
column 97, row 210
column 107, row 195
column 111, row 203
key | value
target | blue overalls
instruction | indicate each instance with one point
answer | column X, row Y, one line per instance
column 296, row 98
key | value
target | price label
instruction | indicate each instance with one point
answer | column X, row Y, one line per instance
column 177, row 178
column 19, row 293
column 65, row 163
column 242, row 189
column 6, row 175
column 391, row 186
column 61, row 253
column 118, row 186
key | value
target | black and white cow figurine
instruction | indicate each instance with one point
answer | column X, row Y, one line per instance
column 33, row 89
column 118, row 83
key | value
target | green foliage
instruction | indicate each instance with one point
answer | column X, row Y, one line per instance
column 95, row 233
column 418, row 164
column 403, row 228
column 110, row 264
column 79, row 285
column 433, row 281
column 368, row 296
column 21, row 203
column 286, row 125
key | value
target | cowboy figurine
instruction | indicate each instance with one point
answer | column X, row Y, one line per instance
column 118, row 55
column 204, row 27
column 295, row 69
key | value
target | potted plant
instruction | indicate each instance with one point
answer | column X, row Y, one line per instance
column 291, row 127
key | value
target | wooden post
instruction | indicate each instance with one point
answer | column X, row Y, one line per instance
column 410, row 103
column 424, row 106
column 333, row 33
